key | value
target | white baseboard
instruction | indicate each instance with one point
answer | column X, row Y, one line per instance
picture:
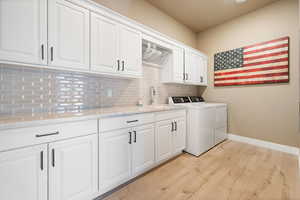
column 299, row 161
column 265, row 144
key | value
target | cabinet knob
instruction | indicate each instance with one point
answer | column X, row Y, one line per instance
column 53, row 158
column 123, row 65
column 51, row 53
column 43, row 53
column 134, row 136
column 42, row 160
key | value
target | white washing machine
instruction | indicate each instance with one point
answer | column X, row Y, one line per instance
column 206, row 123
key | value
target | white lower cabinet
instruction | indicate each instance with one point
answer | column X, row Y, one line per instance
column 23, row 174
column 170, row 138
column 124, row 154
column 64, row 170
column 57, row 166
column 114, row 159
column 143, row 156
column 73, row 169
column 163, row 140
column 179, row 135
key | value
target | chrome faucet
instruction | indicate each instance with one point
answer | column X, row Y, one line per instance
column 152, row 95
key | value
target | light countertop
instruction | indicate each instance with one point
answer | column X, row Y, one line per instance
column 39, row 119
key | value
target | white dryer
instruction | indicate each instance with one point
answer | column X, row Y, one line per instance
column 206, row 123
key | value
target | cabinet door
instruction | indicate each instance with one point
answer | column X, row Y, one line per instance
column 130, row 51
column 196, row 68
column 68, row 35
column 178, row 65
column 203, row 73
column 143, row 149
column 23, row 31
column 188, row 69
column 73, row 169
column 179, row 136
column 104, row 44
column 164, row 146
column 23, row 174
column 114, row 159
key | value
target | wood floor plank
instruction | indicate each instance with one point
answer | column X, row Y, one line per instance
column 230, row 171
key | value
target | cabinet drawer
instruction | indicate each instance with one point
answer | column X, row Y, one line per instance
column 107, row 124
column 170, row 115
column 15, row 138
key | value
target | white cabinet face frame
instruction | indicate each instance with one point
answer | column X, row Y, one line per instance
column 73, row 168
column 68, row 31
column 23, row 173
column 23, row 31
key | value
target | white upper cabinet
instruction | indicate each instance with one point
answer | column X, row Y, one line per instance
column 115, row 48
column 130, row 51
column 23, row 174
column 173, row 70
column 178, row 63
column 104, row 44
column 195, row 68
column 204, row 68
column 68, row 35
column 23, row 31
column 73, row 169
column 189, row 68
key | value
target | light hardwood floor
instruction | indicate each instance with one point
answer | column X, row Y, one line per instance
column 230, row 171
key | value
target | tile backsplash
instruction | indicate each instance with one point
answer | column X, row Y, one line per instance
column 32, row 90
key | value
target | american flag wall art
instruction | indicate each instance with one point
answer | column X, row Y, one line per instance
column 263, row 63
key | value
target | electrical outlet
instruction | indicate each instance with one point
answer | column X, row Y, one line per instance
column 109, row 92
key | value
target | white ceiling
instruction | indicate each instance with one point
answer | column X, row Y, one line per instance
column 202, row 14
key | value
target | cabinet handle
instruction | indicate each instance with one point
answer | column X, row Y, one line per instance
column 184, row 76
column 53, row 158
column 47, row 134
column 123, row 65
column 118, row 65
column 51, row 52
column 132, row 121
column 172, row 127
column 187, row 76
column 129, row 137
column 42, row 160
column 201, row 79
column 175, row 126
column 43, row 57
column 134, row 136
